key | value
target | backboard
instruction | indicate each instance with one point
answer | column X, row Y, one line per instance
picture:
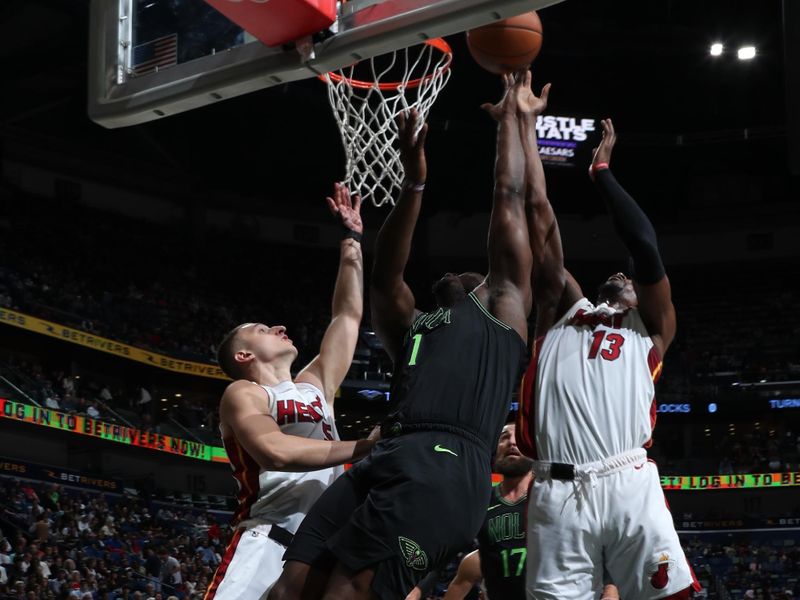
column 149, row 59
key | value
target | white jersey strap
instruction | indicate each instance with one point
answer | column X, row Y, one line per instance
column 311, row 388
column 582, row 303
column 270, row 396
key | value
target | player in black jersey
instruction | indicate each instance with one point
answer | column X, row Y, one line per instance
column 500, row 558
column 422, row 494
column 501, row 540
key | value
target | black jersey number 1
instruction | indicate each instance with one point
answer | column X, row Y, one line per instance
column 415, row 350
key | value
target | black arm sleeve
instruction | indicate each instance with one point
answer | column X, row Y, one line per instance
column 633, row 227
column 426, row 583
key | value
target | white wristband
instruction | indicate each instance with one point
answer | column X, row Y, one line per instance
column 413, row 187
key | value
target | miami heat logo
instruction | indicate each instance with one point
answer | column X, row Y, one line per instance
column 658, row 572
column 297, row 411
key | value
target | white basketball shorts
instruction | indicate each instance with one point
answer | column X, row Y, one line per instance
column 251, row 566
column 611, row 518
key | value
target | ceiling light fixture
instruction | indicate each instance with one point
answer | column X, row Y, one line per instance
column 746, row 53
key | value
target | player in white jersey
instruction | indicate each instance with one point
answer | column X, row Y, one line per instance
column 587, row 405
column 279, row 433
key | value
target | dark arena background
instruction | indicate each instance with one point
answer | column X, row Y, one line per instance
column 127, row 253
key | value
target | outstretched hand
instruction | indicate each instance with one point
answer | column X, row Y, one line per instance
column 602, row 154
column 348, row 209
column 412, row 146
column 529, row 103
column 507, row 104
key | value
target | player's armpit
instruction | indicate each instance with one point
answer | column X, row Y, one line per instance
column 393, row 312
column 509, row 304
column 555, row 298
column 657, row 312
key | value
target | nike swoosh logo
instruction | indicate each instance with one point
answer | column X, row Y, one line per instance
column 637, row 467
column 491, row 507
column 438, row 448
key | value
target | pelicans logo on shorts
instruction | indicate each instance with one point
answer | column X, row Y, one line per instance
column 414, row 555
column 658, row 572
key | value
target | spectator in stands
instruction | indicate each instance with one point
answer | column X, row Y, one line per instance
column 170, row 569
column 52, row 496
column 22, row 563
column 69, row 403
column 80, row 564
column 19, row 590
column 91, row 410
column 207, row 554
column 68, row 384
column 5, row 549
column 108, row 527
column 144, row 396
column 58, row 581
column 152, row 565
column 83, row 521
column 41, row 528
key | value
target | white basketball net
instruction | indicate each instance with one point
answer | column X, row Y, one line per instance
column 366, row 113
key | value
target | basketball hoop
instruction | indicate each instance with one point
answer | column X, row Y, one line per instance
column 365, row 109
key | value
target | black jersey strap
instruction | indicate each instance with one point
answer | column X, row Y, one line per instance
column 486, row 312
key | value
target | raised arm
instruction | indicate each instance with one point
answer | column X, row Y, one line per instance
column 329, row 367
column 468, row 575
column 244, row 409
column 554, row 289
column 509, row 294
column 636, row 232
column 392, row 302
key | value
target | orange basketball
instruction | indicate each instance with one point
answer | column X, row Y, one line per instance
column 507, row 45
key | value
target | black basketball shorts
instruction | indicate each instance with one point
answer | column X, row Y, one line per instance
column 409, row 507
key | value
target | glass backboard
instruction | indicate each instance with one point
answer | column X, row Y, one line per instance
column 149, row 59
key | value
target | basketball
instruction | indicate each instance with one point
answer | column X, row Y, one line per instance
column 507, row 45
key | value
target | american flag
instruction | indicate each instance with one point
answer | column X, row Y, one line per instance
column 155, row 54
